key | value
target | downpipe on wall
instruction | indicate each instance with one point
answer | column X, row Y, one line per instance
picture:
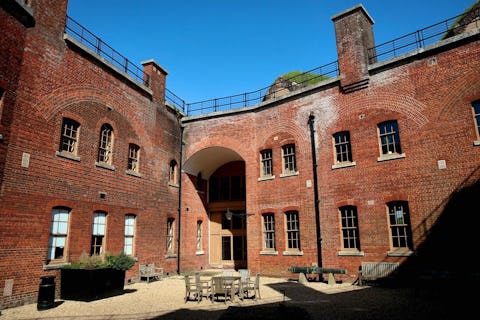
column 311, row 122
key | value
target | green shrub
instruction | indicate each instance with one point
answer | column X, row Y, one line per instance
column 85, row 261
column 120, row 262
column 304, row 78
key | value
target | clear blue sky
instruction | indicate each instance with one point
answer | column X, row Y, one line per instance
column 218, row 48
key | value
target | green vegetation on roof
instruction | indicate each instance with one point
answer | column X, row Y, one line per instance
column 304, row 78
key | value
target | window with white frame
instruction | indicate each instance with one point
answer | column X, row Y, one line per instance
column 69, row 137
column 389, row 136
column 343, row 148
column 476, row 116
column 199, row 235
column 105, row 147
column 170, row 235
column 266, row 163
column 129, row 234
column 293, row 230
column 350, row 235
column 289, row 159
column 98, row 233
column 58, row 233
column 400, row 228
column 173, row 173
column 133, row 157
column 268, row 231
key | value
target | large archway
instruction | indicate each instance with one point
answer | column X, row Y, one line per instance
column 224, row 171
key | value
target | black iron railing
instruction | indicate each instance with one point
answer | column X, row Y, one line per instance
column 174, row 100
column 423, row 37
column 96, row 44
column 252, row 98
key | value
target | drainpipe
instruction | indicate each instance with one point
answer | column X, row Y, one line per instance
column 311, row 122
column 179, row 199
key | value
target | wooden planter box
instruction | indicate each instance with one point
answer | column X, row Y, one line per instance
column 91, row 284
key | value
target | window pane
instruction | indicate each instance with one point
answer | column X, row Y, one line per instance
column 269, row 231
column 69, row 136
column 389, row 137
column 133, row 157
column 400, row 224
column 266, row 162
column 289, row 162
column 128, row 248
column 476, row 112
column 293, row 237
column 351, row 239
column 105, row 144
column 238, row 248
column 226, row 248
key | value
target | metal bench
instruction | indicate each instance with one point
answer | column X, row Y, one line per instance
column 318, row 270
column 149, row 271
column 370, row 271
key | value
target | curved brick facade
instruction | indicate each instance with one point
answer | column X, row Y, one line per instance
column 46, row 77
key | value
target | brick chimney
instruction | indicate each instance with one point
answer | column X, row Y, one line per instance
column 354, row 35
column 157, row 77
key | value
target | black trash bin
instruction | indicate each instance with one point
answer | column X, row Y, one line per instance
column 46, row 293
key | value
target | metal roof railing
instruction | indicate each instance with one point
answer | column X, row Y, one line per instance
column 96, row 44
column 255, row 97
column 423, row 37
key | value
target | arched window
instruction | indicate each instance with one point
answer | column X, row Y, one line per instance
column 129, row 234
column 173, row 173
column 98, row 233
column 69, row 137
column 58, row 233
column 105, row 146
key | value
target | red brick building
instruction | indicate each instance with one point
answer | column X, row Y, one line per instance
column 379, row 162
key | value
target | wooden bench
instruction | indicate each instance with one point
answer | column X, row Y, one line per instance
column 375, row 270
column 149, row 271
column 317, row 270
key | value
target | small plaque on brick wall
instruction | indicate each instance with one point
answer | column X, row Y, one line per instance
column 25, row 160
column 442, row 164
column 7, row 290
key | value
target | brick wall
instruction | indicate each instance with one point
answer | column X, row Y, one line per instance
column 58, row 81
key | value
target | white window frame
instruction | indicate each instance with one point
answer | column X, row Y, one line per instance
column 105, row 147
column 289, row 160
column 99, row 227
column 170, row 235
column 58, row 234
column 269, row 242
column 199, row 235
column 69, row 137
column 129, row 234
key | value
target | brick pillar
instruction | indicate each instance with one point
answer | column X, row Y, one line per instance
column 157, row 77
column 354, row 35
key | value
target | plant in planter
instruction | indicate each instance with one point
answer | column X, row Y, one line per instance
column 94, row 277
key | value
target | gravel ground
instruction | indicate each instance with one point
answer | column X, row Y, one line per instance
column 280, row 299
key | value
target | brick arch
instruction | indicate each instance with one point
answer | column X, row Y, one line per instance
column 51, row 105
column 228, row 143
column 289, row 133
column 402, row 104
column 290, row 208
column 348, row 202
column 229, row 150
column 466, row 90
column 268, row 210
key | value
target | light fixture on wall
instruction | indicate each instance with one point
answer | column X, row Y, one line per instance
column 229, row 214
